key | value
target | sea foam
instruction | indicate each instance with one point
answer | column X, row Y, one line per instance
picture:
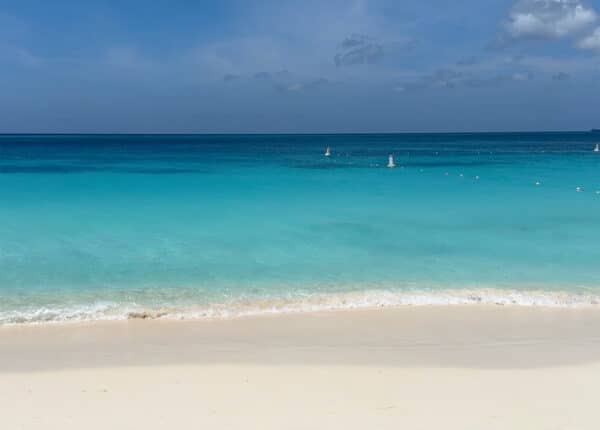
column 370, row 299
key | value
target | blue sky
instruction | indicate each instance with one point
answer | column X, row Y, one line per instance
column 299, row 66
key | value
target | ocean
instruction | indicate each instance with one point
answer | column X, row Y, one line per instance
column 194, row 226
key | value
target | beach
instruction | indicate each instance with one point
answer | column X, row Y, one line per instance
column 348, row 215
column 450, row 367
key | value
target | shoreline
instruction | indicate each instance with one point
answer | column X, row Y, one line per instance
column 105, row 310
column 450, row 367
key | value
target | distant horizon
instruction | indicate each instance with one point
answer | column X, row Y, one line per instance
column 591, row 131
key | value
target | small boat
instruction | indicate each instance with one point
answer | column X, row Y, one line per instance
column 391, row 163
column 597, row 148
column 328, row 152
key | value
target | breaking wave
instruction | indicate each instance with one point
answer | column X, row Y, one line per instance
column 106, row 310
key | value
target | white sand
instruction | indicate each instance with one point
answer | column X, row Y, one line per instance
column 416, row 368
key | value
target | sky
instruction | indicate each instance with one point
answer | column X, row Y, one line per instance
column 236, row 66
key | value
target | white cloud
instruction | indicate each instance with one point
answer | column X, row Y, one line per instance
column 520, row 76
column 549, row 19
column 591, row 42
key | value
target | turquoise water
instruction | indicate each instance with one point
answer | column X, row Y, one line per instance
column 95, row 227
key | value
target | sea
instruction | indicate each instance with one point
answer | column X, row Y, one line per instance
column 106, row 227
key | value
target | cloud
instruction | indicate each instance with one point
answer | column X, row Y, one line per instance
column 443, row 78
column 358, row 49
column 449, row 78
column 276, row 76
column 281, row 81
column 315, row 84
column 521, row 76
column 548, row 19
column 554, row 64
column 293, row 87
column 322, row 39
column 591, row 42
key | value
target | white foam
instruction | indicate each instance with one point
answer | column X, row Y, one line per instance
column 300, row 304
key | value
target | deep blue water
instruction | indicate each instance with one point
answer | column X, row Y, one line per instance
column 98, row 226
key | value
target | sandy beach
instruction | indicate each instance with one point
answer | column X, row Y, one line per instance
column 448, row 367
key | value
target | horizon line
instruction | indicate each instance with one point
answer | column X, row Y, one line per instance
column 282, row 133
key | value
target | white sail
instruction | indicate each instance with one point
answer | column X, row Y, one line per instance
column 597, row 148
column 391, row 161
column 327, row 152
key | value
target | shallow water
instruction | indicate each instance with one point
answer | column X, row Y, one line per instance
column 102, row 226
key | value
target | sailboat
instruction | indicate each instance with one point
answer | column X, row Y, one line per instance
column 597, row 148
column 328, row 152
column 391, row 163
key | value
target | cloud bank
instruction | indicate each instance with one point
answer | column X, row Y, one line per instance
column 591, row 42
column 548, row 19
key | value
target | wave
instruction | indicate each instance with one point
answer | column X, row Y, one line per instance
column 107, row 311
